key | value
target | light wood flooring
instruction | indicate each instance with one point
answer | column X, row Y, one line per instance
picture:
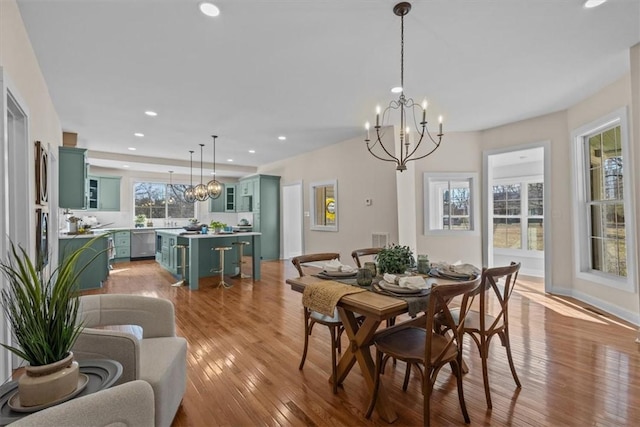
column 577, row 367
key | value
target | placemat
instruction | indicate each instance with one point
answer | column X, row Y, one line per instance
column 324, row 296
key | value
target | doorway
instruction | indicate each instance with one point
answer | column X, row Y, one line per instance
column 292, row 207
column 517, row 207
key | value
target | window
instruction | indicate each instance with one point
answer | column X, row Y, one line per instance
column 518, row 209
column 324, row 205
column 449, row 203
column 602, row 201
column 155, row 200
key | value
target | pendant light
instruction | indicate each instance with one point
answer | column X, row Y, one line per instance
column 189, row 195
column 200, row 191
column 171, row 191
column 214, row 188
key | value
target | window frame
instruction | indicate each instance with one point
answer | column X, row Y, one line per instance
column 166, row 207
column 581, row 203
column 429, row 180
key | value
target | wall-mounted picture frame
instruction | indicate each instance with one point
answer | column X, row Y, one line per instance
column 42, row 174
column 42, row 238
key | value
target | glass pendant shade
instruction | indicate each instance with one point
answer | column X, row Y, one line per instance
column 214, row 188
column 200, row 190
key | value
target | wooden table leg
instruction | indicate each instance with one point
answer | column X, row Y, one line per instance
column 360, row 339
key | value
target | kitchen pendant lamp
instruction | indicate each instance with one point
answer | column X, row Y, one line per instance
column 408, row 148
column 171, row 191
column 214, row 188
column 200, row 191
column 189, row 195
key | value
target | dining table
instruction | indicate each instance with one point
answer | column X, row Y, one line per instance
column 375, row 307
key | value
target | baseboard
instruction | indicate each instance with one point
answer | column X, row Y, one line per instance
column 614, row 310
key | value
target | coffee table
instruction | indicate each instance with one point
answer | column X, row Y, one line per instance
column 102, row 373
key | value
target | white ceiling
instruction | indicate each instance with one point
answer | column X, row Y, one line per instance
column 311, row 70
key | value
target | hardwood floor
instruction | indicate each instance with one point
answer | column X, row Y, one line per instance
column 577, row 367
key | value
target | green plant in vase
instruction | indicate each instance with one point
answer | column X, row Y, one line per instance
column 42, row 313
column 217, row 226
column 140, row 220
column 395, row 259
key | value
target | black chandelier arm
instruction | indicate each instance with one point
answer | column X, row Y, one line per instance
column 437, row 144
column 383, row 147
column 392, row 159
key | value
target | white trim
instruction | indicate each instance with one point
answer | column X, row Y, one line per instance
column 579, row 197
column 629, row 316
column 429, row 201
column 312, row 205
column 300, row 209
column 487, row 205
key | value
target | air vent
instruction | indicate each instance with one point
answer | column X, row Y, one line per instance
column 379, row 239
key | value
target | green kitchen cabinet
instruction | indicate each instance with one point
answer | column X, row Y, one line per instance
column 104, row 193
column 265, row 205
column 122, row 246
column 229, row 197
column 95, row 257
column 72, row 177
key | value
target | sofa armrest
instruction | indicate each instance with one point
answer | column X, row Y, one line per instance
column 129, row 404
column 110, row 344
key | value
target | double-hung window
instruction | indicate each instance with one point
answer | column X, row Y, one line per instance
column 518, row 207
column 450, row 205
column 157, row 200
column 604, row 229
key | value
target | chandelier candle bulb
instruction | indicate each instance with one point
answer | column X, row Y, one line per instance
column 440, row 124
column 366, row 126
column 378, row 116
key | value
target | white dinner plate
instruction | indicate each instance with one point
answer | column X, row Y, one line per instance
column 399, row 290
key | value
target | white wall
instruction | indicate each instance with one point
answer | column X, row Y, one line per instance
column 360, row 176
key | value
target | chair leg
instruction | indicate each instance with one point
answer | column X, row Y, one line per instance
column 376, row 384
column 463, row 406
column 334, row 376
column 505, row 339
column 427, row 388
column 307, row 332
column 484, row 355
column 407, row 374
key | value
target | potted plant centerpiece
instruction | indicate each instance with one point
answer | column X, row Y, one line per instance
column 395, row 259
column 140, row 220
column 217, row 226
column 42, row 313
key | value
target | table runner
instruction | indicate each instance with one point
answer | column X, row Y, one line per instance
column 324, row 296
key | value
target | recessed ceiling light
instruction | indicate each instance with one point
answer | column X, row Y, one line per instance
column 139, row 135
column 593, row 3
column 209, row 9
column 125, row 166
column 151, row 113
column 396, row 89
column 282, row 138
column 229, row 160
column 132, row 148
column 252, row 151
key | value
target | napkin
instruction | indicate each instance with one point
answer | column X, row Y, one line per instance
column 336, row 265
column 389, row 278
column 413, row 282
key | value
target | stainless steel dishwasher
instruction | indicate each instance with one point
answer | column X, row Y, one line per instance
column 143, row 244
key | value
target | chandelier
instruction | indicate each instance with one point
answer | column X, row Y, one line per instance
column 214, row 188
column 189, row 193
column 200, row 190
column 407, row 109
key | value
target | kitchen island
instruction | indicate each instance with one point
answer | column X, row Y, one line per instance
column 201, row 259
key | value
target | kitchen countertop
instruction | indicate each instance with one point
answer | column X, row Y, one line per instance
column 208, row 235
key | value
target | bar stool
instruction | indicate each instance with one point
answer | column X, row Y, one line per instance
column 221, row 250
column 183, row 259
column 240, row 245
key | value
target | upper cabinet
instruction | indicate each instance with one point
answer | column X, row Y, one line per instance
column 103, row 193
column 230, row 198
column 72, row 177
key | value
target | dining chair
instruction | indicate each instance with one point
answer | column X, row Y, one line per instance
column 312, row 317
column 363, row 252
column 484, row 327
column 427, row 349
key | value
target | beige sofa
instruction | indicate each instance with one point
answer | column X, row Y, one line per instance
column 129, row 404
column 159, row 357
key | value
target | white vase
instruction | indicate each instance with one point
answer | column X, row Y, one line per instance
column 40, row 385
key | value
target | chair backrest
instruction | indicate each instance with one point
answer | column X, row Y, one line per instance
column 439, row 299
column 363, row 252
column 298, row 261
column 489, row 286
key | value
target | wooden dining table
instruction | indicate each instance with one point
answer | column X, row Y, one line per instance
column 375, row 308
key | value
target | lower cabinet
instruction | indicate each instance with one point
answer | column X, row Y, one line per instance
column 169, row 255
column 122, row 246
column 95, row 257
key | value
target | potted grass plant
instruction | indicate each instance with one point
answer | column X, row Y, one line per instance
column 42, row 313
column 395, row 259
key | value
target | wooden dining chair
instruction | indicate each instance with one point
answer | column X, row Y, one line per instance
column 312, row 317
column 363, row 252
column 425, row 348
